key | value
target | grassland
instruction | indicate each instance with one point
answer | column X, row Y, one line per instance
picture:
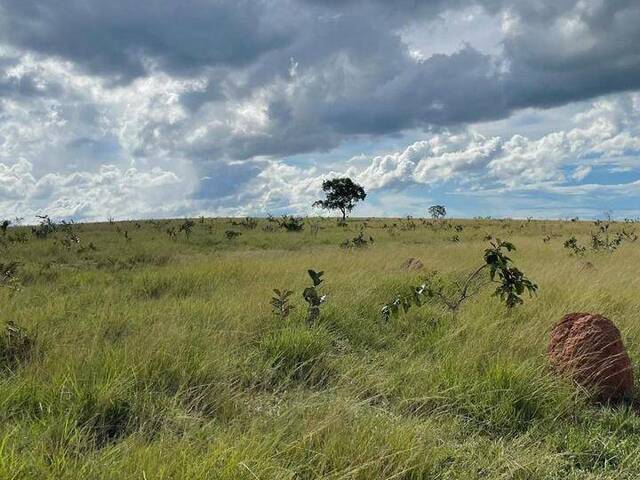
column 160, row 358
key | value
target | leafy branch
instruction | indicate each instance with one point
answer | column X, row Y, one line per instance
column 313, row 297
column 280, row 303
column 512, row 284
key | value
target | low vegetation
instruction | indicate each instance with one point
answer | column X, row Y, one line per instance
column 243, row 349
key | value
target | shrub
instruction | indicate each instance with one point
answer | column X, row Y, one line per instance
column 357, row 242
column 291, row 223
column 512, row 283
column 280, row 303
column 574, row 247
column 312, row 296
column 187, row 228
column 45, row 228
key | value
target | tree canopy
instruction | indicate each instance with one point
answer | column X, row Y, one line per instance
column 342, row 194
column 437, row 211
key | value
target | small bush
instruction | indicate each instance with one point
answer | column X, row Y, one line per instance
column 231, row 234
column 574, row 247
column 357, row 242
column 45, row 228
column 291, row 223
column 187, row 228
column 280, row 304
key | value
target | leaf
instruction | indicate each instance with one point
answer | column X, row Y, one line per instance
column 315, row 277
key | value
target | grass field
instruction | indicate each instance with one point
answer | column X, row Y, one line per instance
column 160, row 358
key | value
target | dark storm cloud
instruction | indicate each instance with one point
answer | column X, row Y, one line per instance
column 114, row 37
column 335, row 69
column 549, row 66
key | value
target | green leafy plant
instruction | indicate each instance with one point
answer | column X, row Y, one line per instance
column 604, row 240
column 313, row 297
column 232, row 234
column 291, row 223
column 70, row 235
column 187, row 228
column 280, row 303
column 358, row 241
column 574, row 247
column 45, row 228
column 512, row 284
column 4, row 226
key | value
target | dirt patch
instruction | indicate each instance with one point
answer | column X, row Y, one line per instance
column 589, row 349
column 586, row 266
column 411, row 264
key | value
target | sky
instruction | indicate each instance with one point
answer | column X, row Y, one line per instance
column 159, row 108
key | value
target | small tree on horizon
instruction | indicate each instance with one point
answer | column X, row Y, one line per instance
column 342, row 194
column 437, row 211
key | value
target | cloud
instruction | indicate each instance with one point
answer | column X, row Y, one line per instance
column 122, row 39
column 606, row 134
column 111, row 191
column 355, row 72
column 226, row 94
column 581, row 172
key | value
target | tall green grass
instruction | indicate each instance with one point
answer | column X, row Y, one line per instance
column 157, row 358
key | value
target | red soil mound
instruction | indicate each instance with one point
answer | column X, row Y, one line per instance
column 589, row 349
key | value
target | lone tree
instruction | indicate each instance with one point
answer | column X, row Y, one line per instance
column 437, row 211
column 342, row 194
